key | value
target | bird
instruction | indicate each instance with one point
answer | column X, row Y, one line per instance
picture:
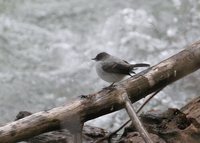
column 113, row 69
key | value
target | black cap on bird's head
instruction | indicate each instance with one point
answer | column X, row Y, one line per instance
column 101, row 56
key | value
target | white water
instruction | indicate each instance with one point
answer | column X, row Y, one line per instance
column 46, row 47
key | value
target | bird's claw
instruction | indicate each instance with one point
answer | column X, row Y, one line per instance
column 112, row 86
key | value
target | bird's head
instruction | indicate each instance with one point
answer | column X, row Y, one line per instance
column 101, row 56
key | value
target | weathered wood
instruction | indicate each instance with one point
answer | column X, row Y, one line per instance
column 72, row 116
column 90, row 134
column 173, row 125
column 135, row 119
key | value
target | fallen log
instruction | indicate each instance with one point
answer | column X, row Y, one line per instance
column 172, row 125
column 72, row 116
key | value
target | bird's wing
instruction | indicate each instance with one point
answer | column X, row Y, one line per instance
column 114, row 67
column 140, row 65
column 125, row 61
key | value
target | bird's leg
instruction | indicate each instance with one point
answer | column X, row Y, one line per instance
column 132, row 73
column 110, row 86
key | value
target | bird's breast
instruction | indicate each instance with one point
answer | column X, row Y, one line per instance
column 108, row 76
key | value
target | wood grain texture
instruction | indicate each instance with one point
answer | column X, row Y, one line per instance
column 73, row 115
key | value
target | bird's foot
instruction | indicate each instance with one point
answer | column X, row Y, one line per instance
column 109, row 87
column 83, row 96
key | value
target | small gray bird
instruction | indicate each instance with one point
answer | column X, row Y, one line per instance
column 113, row 69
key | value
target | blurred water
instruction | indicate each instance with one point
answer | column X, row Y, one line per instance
column 46, row 47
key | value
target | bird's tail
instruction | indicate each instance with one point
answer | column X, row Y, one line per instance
column 140, row 65
column 133, row 66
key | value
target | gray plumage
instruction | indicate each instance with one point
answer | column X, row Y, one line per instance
column 113, row 69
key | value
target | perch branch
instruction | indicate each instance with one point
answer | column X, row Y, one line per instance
column 72, row 115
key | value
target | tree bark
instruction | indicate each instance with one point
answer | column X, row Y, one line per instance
column 171, row 126
column 72, row 116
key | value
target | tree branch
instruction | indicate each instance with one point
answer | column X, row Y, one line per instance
column 135, row 119
column 73, row 115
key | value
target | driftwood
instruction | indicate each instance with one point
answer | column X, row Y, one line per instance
column 72, row 116
column 136, row 121
column 171, row 126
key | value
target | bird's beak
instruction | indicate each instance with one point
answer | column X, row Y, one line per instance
column 93, row 59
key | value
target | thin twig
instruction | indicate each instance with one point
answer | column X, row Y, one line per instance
column 122, row 126
column 148, row 99
column 77, row 136
column 135, row 119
